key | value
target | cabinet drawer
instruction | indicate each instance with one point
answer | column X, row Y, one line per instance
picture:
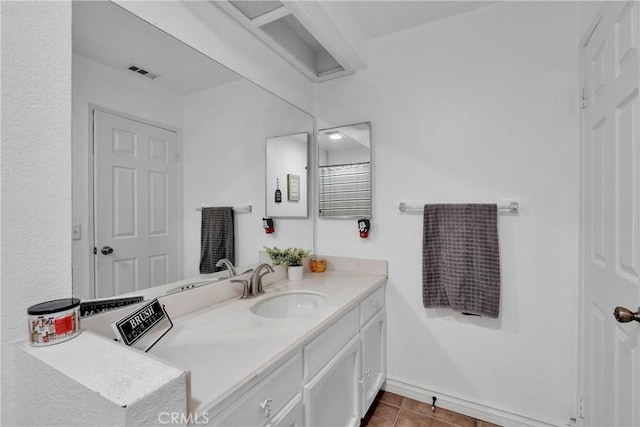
column 325, row 346
column 266, row 398
column 371, row 305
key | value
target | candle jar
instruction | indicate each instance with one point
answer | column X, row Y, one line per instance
column 318, row 265
column 54, row 321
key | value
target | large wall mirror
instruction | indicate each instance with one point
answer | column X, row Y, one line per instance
column 182, row 132
column 344, row 174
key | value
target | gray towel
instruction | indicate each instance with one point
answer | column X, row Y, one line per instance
column 216, row 238
column 461, row 258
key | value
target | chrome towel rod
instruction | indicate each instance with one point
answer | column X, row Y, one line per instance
column 239, row 209
column 512, row 207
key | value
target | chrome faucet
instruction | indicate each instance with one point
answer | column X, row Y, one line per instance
column 256, row 279
column 225, row 262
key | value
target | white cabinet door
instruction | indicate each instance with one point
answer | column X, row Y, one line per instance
column 332, row 398
column 374, row 366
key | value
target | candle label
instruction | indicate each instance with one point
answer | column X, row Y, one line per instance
column 63, row 325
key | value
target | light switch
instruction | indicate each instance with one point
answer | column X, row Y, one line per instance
column 76, row 233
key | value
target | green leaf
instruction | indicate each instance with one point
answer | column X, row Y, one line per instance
column 288, row 257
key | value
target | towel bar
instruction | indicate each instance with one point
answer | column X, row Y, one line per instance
column 239, row 209
column 513, row 208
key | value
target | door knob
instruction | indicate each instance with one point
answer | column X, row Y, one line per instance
column 106, row 250
column 624, row 315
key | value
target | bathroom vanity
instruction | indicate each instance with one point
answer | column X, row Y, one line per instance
column 332, row 368
column 305, row 353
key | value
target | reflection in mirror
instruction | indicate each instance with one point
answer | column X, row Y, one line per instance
column 286, row 176
column 136, row 80
column 344, row 176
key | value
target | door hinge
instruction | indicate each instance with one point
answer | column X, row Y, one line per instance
column 583, row 98
column 580, row 407
column 95, row 251
column 177, row 157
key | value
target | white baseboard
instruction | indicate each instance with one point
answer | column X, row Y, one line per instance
column 462, row 406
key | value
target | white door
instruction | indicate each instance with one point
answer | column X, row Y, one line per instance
column 610, row 219
column 135, row 205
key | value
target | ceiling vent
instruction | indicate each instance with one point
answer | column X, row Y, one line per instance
column 141, row 71
column 303, row 33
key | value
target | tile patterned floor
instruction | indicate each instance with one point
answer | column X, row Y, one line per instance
column 392, row 410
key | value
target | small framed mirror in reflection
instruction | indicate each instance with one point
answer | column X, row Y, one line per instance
column 344, row 175
column 286, row 176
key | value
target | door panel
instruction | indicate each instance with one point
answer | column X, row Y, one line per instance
column 135, row 201
column 610, row 231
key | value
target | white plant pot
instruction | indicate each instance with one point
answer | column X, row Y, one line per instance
column 295, row 273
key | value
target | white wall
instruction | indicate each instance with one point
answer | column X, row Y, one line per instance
column 225, row 130
column 95, row 85
column 476, row 108
column 343, row 157
column 36, row 170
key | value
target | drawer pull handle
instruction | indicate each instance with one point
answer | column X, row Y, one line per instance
column 376, row 304
column 266, row 407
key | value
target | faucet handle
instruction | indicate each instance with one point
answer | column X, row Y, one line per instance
column 245, row 290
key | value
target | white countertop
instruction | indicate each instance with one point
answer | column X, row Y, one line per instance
column 225, row 345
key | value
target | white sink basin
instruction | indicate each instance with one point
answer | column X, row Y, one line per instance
column 294, row 304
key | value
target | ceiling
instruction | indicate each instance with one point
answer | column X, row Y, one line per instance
column 326, row 39
column 345, row 138
column 381, row 18
column 110, row 35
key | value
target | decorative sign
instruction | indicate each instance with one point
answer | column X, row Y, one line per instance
column 293, row 187
column 139, row 322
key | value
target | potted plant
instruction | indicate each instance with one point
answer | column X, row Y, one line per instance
column 292, row 258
